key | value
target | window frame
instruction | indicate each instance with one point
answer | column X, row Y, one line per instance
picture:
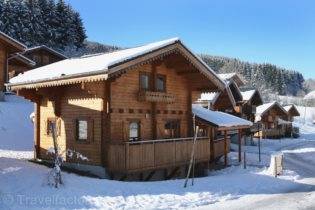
column 178, row 133
column 57, row 122
column 139, row 130
column 159, row 76
column 90, row 128
column 148, row 74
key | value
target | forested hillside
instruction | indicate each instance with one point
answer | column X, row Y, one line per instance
column 38, row 22
column 266, row 77
column 57, row 25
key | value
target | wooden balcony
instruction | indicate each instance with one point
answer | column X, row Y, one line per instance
column 151, row 96
column 155, row 154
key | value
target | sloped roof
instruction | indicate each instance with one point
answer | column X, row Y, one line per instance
column 220, row 119
column 292, row 109
column 247, row 95
column 23, row 59
column 232, row 77
column 310, row 95
column 262, row 109
column 44, row 47
column 18, row 46
column 106, row 64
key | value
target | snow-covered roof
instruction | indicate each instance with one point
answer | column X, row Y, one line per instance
column 293, row 108
column 260, row 110
column 227, row 76
column 209, row 96
column 44, row 47
column 100, row 64
column 310, row 95
column 219, row 119
column 10, row 40
column 247, row 95
column 232, row 77
column 283, row 122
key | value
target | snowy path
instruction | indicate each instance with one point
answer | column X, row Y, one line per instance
column 299, row 158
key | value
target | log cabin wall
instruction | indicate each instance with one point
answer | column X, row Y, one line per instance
column 3, row 64
column 77, row 102
column 41, row 57
column 126, row 107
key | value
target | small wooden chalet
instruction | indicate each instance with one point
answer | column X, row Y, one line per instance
column 273, row 117
column 226, row 101
column 292, row 112
column 251, row 99
column 128, row 111
column 217, row 126
column 8, row 46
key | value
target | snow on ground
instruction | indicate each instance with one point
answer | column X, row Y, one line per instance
column 23, row 185
column 16, row 128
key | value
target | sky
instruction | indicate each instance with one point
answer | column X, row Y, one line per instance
column 281, row 32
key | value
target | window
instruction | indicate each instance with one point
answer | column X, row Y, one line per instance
column 134, row 131
column 144, row 81
column 202, row 132
column 53, row 123
column 84, row 129
column 161, row 83
column 172, row 129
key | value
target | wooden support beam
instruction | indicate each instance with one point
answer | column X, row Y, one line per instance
column 239, row 145
column 153, row 104
column 37, row 130
column 225, row 148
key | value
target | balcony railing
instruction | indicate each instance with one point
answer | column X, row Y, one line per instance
column 219, row 147
column 154, row 154
column 151, row 96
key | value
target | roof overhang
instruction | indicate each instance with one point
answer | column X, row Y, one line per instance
column 123, row 67
column 19, row 58
column 12, row 44
column 45, row 48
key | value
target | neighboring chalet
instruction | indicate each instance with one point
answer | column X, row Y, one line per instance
column 31, row 58
column 43, row 55
column 227, row 100
column 8, row 47
column 251, row 100
column 292, row 112
column 128, row 111
column 273, row 117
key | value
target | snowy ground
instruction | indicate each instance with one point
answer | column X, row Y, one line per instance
column 23, row 185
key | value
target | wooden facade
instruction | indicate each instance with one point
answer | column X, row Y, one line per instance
column 129, row 128
column 8, row 46
column 43, row 55
column 273, row 121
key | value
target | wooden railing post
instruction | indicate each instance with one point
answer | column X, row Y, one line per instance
column 239, row 145
column 225, row 148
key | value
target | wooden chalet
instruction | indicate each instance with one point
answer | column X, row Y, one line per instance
column 8, row 46
column 31, row 58
column 251, row 99
column 43, row 55
column 273, row 117
column 292, row 112
column 128, row 111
